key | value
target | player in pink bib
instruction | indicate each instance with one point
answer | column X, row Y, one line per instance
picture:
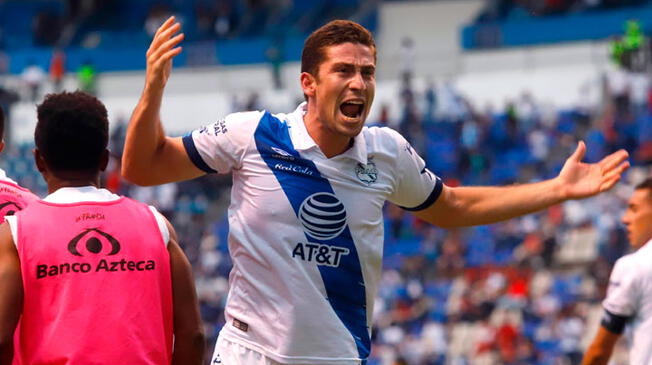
column 12, row 196
column 94, row 278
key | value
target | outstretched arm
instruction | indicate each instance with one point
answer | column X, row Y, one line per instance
column 189, row 341
column 468, row 206
column 11, row 300
column 149, row 156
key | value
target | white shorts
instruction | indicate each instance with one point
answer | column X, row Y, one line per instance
column 231, row 353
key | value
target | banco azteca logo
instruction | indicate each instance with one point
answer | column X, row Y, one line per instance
column 9, row 208
column 93, row 242
column 323, row 216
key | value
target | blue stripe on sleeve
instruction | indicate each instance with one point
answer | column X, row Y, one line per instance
column 194, row 155
column 436, row 191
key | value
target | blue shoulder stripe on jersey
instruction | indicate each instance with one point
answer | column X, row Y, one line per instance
column 195, row 157
column 432, row 198
column 302, row 183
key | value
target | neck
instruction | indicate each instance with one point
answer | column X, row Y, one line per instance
column 57, row 184
column 329, row 142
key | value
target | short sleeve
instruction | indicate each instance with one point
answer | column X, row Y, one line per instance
column 622, row 297
column 220, row 146
column 416, row 188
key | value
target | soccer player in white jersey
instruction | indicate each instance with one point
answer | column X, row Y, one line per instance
column 629, row 295
column 306, row 232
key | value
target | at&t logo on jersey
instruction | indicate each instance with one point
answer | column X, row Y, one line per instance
column 323, row 218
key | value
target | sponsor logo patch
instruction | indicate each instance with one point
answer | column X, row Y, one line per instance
column 323, row 216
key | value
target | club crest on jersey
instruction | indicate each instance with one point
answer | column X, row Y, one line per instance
column 368, row 173
column 323, row 216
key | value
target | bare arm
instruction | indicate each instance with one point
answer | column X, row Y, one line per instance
column 601, row 348
column 468, row 206
column 189, row 340
column 11, row 300
column 149, row 156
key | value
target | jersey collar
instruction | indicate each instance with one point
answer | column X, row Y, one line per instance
column 302, row 140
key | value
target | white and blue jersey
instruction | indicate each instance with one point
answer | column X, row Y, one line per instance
column 306, row 231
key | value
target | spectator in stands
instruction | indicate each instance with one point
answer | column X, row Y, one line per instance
column 57, row 69
column 33, row 77
column 407, row 57
column 87, row 77
column 629, row 294
column 47, row 29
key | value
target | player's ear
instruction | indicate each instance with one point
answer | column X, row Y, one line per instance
column 41, row 166
column 104, row 160
column 308, row 84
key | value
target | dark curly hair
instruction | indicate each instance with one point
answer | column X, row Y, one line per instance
column 72, row 131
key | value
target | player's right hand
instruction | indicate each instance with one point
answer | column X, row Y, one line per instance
column 160, row 53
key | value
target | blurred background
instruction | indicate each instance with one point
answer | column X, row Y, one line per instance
column 488, row 92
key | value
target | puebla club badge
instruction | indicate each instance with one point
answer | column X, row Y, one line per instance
column 368, row 173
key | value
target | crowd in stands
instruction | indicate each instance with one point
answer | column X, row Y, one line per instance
column 62, row 23
column 496, row 10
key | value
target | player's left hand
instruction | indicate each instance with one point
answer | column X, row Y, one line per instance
column 580, row 180
column 164, row 47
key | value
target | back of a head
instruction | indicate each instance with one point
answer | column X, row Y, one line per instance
column 333, row 33
column 72, row 132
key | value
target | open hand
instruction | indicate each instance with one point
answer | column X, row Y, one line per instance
column 160, row 53
column 581, row 180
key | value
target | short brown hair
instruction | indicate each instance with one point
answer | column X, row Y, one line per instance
column 645, row 184
column 333, row 33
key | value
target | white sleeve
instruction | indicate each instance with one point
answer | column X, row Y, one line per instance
column 416, row 187
column 162, row 226
column 622, row 293
column 220, row 146
column 12, row 221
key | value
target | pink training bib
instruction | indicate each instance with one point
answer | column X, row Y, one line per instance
column 97, row 285
column 13, row 198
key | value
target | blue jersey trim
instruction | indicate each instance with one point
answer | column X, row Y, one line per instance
column 308, row 191
column 432, row 198
column 195, row 157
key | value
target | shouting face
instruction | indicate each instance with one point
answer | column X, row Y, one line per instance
column 341, row 92
column 638, row 218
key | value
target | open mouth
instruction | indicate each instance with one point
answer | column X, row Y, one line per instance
column 352, row 109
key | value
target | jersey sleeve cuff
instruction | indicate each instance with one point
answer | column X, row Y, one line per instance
column 432, row 198
column 614, row 323
column 193, row 153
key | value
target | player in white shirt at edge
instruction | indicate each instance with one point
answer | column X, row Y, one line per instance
column 629, row 295
column 306, row 231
